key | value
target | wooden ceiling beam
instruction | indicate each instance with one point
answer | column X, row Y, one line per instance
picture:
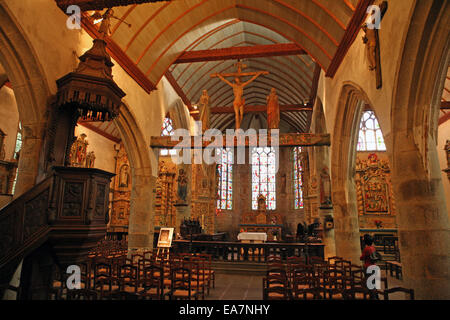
column 445, row 105
column 178, row 90
column 263, row 108
column 233, row 53
column 99, row 131
column 86, row 5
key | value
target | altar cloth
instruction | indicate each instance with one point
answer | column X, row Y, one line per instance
column 255, row 236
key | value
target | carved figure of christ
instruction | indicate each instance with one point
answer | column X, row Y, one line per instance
column 238, row 89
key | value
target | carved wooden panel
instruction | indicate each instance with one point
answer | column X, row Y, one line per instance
column 35, row 214
column 7, row 234
column 72, row 199
column 100, row 201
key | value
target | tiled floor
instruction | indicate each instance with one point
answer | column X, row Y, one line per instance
column 237, row 287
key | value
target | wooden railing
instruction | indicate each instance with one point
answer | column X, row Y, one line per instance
column 67, row 210
column 248, row 252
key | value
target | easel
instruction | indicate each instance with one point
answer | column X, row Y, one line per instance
column 162, row 251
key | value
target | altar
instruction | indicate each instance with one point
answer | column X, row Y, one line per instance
column 262, row 222
column 252, row 237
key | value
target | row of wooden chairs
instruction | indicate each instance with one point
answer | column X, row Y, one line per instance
column 141, row 276
column 334, row 278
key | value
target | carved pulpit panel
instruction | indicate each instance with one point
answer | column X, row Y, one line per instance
column 261, row 218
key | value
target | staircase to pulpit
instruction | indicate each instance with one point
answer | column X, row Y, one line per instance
column 55, row 223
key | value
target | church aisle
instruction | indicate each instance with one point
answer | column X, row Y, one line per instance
column 236, row 287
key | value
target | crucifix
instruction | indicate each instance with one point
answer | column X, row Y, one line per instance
column 238, row 88
column 372, row 41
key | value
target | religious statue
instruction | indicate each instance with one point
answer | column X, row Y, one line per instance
column 105, row 27
column 2, row 145
column 372, row 41
column 283, row 183
column 204, row 111
column 124, row 176
column 238, row 88
column 447, row 150
column 325, row 189
column 90, row 159
column 182, row 185
column 273, row 110
column 78, row 152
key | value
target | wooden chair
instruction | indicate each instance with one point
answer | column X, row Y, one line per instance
column 104, row 282
column 128, row 278
column 409, row 292
column 357, row 293
column 181, row 285
column 152, row 283
column 306, row 294
column 81, row 294
column 276, row 293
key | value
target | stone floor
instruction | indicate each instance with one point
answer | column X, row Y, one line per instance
column 247, row 287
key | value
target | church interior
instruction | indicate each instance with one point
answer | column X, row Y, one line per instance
column 343, row 107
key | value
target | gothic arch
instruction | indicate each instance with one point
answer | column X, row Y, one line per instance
column 343, row 156
column 31, row 92
column 422, row 215
column 140, row 229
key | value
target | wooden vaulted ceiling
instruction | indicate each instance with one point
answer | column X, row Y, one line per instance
column 163, row 31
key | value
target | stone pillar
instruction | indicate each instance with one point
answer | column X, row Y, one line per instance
column 422, row 220
column 142, row 211
column 348, row 244
column 328, row 234
column 28, row 167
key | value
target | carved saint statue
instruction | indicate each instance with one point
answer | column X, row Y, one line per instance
column 182, row 185
column 105, row 27
column 371, row 46
column 90, row 159
column 238, row 89
column 273, row 110
column 204, row 111
column 78, row 152
column 124, row 176
column 447, row 149
column 325, row 189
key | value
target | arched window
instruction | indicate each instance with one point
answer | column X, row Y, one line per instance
column 167, row 130
column 263, row 176
column 225, row 175
column 16, row 153
column 298, row 178
column 370, row 135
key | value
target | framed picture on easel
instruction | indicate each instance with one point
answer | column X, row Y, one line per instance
column 165, row 237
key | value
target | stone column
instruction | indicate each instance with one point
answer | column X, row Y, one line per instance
column 422, row 220
column 328, row 234
column 348, row 244
column 142, row 211
column 28, row 166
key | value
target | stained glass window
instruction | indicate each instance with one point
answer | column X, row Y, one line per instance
column 263, row 176
column 167, row 130
column 16, row 153
column 370, row 135
column 298, row 178
column 225, row 175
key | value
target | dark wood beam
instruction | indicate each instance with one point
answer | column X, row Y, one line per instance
column 99, row 131
column 349, row 37
column 285, row 140
column 259, row 51
column 86, row 5
column 263, row 108
column 178, row 90
column 444, row 118
column 445, row 105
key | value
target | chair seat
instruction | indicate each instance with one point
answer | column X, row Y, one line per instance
column 183, row 293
